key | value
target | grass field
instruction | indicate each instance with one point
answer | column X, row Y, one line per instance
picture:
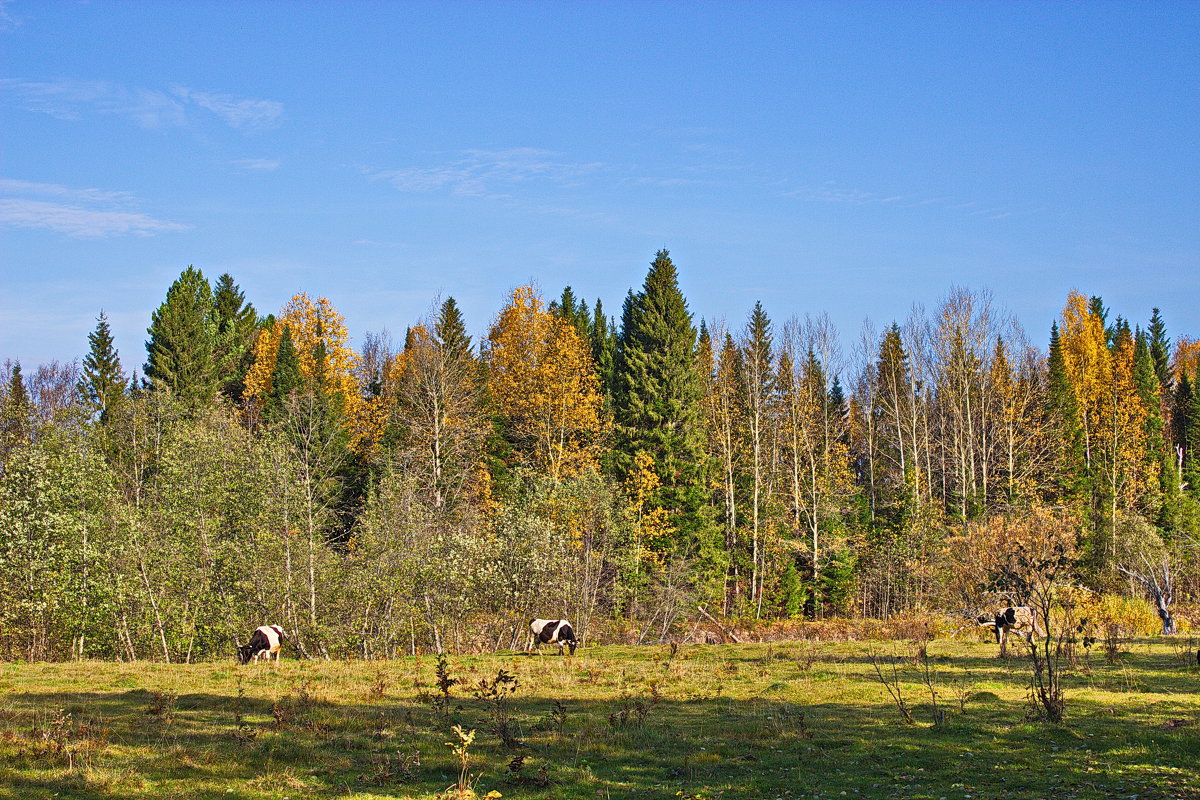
column 792, row 720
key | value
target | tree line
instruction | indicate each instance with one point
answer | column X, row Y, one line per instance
column 619, row 470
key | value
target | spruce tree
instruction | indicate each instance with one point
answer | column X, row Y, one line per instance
column 837, row 399
column 16, row 415
column 1160, row 350
column 450, row 330
column 236, row 323
column 1187, row 429
column 602, row 335
column 1097, row 307
column 182, row 340
column 286, row 378
column 102, row 385
column 567, row 308
column 900, row 483
column 1150, row 392
column 657, row 410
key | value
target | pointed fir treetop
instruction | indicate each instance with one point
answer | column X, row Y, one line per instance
column 15, row 413
column 759, row 340
column 102, row 383
column 233, row 313
column 892, row 364
column 450, row 330
column 237, row 323
column 1160, row 349
column 17, row 395
column 182, row 338
column 837, row 397
column 657, row 398
column 573, row 311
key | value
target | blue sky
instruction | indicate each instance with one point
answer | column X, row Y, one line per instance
column 846, row 157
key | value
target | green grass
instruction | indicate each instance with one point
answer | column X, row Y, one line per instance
column 785, row 720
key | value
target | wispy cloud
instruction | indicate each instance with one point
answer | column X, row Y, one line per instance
column 257, row 164
column 7, row 20
column 149, row 108
column 832, row 192
column 81, row 213
column 487, row 173
column 9, row 186
column 240, row 113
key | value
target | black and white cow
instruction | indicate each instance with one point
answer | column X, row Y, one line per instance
column 263, row 644
column 1021, row 620
column 552, row 631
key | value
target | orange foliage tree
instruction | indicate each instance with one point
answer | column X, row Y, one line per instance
column 326, row 361
column 543, row 384
column 1112, row 413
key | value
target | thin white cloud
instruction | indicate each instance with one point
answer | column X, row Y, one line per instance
column 831, row 192
column 149, row 108
column 7, row 20
column 240, row 113
column 81, row 213
column 487, row 173
column 257, row 164
column 9, row 186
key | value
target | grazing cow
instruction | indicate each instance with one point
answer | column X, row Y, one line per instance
column 553, row 631
column 1021, row 620
column 263, row 644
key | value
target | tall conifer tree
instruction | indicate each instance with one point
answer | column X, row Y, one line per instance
column 16, row 414
column 1160, row 350
column 180, row 352
column 1150, row 392
column 236, row 323
column 451, row 331
column 1063, row 420
column 102, row 384
column 287, row 378
column 1187, row 430
column 602, row 335
column 657, row 402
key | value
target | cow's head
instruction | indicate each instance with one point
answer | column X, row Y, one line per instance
column 572, row 644
column 244, row 653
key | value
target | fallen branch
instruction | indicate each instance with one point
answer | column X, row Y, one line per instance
column 716, row 622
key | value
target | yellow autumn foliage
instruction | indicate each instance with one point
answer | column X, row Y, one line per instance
column 652, row 525
column 325, row 357
column 1187, row 357
column 542, row 382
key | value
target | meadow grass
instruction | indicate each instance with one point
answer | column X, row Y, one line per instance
column 781, row 720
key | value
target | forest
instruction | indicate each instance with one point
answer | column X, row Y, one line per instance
column 627, row 471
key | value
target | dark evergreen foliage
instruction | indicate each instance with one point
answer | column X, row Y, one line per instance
column 286, row 380
column 1160, row 350
column 103, row 382
column 451, row 330
column 180, row 352
column 236, row 325
column 656, row 402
